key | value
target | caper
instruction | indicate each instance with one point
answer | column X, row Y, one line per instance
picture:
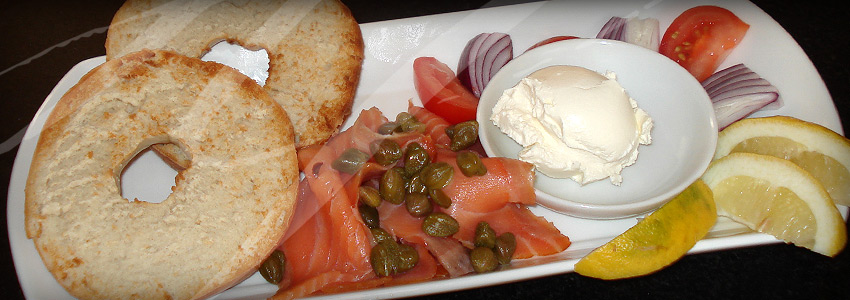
column 440, row 198
column 404, row 117
column 380, row 235
column 388, row 258
column 470, row 164
column 407, row 258
column 273, row 267
column 415, row 158
column 391, row 186
column 418, row 205
column 484, row 235
column 415, row 185
column 388, row 128
column 414, row 126
column 369, row 196
column 409, row 123
column 440, row 225
column 437, row 175
column 483, row 259
column 369, row 215
column 383, row 258
column 350, row 161
column 450, row 131
column 385, row 151
column 463, row 135
column 505, row 247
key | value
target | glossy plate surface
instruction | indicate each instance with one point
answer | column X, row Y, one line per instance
column 386, row 82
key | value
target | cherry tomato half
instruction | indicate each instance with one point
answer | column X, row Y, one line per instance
column 441, row 91
column 701, row 37
column 552, row 40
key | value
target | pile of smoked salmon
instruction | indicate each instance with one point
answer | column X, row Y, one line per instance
column 327, row 245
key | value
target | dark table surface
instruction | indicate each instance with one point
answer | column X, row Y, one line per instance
column 41, row 40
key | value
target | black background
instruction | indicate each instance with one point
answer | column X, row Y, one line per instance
column 777, row 271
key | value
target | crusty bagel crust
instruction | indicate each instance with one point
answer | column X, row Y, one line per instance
column 226, row 213
column 315, row 48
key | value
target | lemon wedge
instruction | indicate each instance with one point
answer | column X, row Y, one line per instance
column 817, row 149
column 777, row 197
column 656, row 241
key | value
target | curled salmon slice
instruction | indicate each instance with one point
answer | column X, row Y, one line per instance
column 500, row 198
column 327, row 244
column 435, row 126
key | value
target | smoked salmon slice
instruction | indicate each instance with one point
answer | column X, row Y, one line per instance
column 435, row 126
column 327, row 245
column 495, row 198
column 451, row 254
column 506, row 181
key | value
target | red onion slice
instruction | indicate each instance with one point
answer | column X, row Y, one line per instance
column 483, row 56
column 641, row 32
column 712, row 81
column 613, row 29
column 496, row 57
column 466, row 64
column 732, row 109
column 487, row 46
column 736, row 92
column 733, row 88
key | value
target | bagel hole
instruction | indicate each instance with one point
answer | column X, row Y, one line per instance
column 147, row 178
column 252, row 63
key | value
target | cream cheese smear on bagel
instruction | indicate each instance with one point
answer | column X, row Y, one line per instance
column 573, row 123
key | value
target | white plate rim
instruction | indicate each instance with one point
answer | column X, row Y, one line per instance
column 36, row 281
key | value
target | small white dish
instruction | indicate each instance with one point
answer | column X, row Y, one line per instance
column 684, row 133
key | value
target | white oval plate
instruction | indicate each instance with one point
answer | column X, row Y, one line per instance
column 386, row 82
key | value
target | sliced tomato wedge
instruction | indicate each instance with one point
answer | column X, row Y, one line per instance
column 441, row 91
column 551, row 40
column 701, row 38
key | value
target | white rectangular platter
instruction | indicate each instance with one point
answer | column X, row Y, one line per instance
column 386, row 82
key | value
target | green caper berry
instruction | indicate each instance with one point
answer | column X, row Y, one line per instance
column 408, row 257
column 505, row 247
column 409, row 123
column 418, row 205
column 350, row 161
column 385, row 152
column 380, row 235
column 391, row 186
column 483, row 259
column 437, row 175
column 404, row 117
column 463, row 135
column 484, row 235
column 450, row 131
column 413, row 126
column 369, row 196
column 383, row 258
column 470, row 164
column 388, row 128
column 273, row 267
column 415, row 185
column 415, row 158
column 369, row 215
column 440, row 198
column 389, row 258
column 440, row 225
